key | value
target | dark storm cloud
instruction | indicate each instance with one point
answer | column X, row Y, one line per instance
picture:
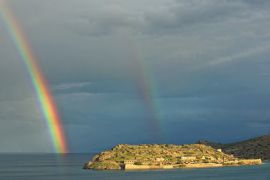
column 206, row 62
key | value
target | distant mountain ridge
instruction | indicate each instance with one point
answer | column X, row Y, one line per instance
column 258, row 147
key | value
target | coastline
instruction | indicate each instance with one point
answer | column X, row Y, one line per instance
column 248, row 162
column 187, row 166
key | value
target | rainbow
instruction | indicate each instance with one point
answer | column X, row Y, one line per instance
column 148, row 90
column 41, row 87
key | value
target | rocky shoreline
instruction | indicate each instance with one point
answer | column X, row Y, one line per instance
column 192, row 166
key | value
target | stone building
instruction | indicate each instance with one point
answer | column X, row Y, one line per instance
column 188, row 158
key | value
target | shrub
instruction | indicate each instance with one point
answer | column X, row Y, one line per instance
column 138, row 163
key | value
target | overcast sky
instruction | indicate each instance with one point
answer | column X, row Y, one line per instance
column 204, row 64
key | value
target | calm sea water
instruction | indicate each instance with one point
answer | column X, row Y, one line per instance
column 55, row 167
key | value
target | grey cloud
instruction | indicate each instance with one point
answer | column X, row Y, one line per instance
column 189, row 13
column 168, row 17
column 68, row 86
column 115, row 18
column 240, row 56
column 259, row 3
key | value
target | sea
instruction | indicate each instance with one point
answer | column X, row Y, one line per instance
column 69, row 167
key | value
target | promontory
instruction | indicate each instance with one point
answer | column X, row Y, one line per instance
column 164, row 156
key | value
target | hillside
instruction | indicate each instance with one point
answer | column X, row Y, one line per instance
column 258, row 147
column 153, row 156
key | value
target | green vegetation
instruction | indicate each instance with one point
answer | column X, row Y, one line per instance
column 106, row 165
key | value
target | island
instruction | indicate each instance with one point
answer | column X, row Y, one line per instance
column 164, row 156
